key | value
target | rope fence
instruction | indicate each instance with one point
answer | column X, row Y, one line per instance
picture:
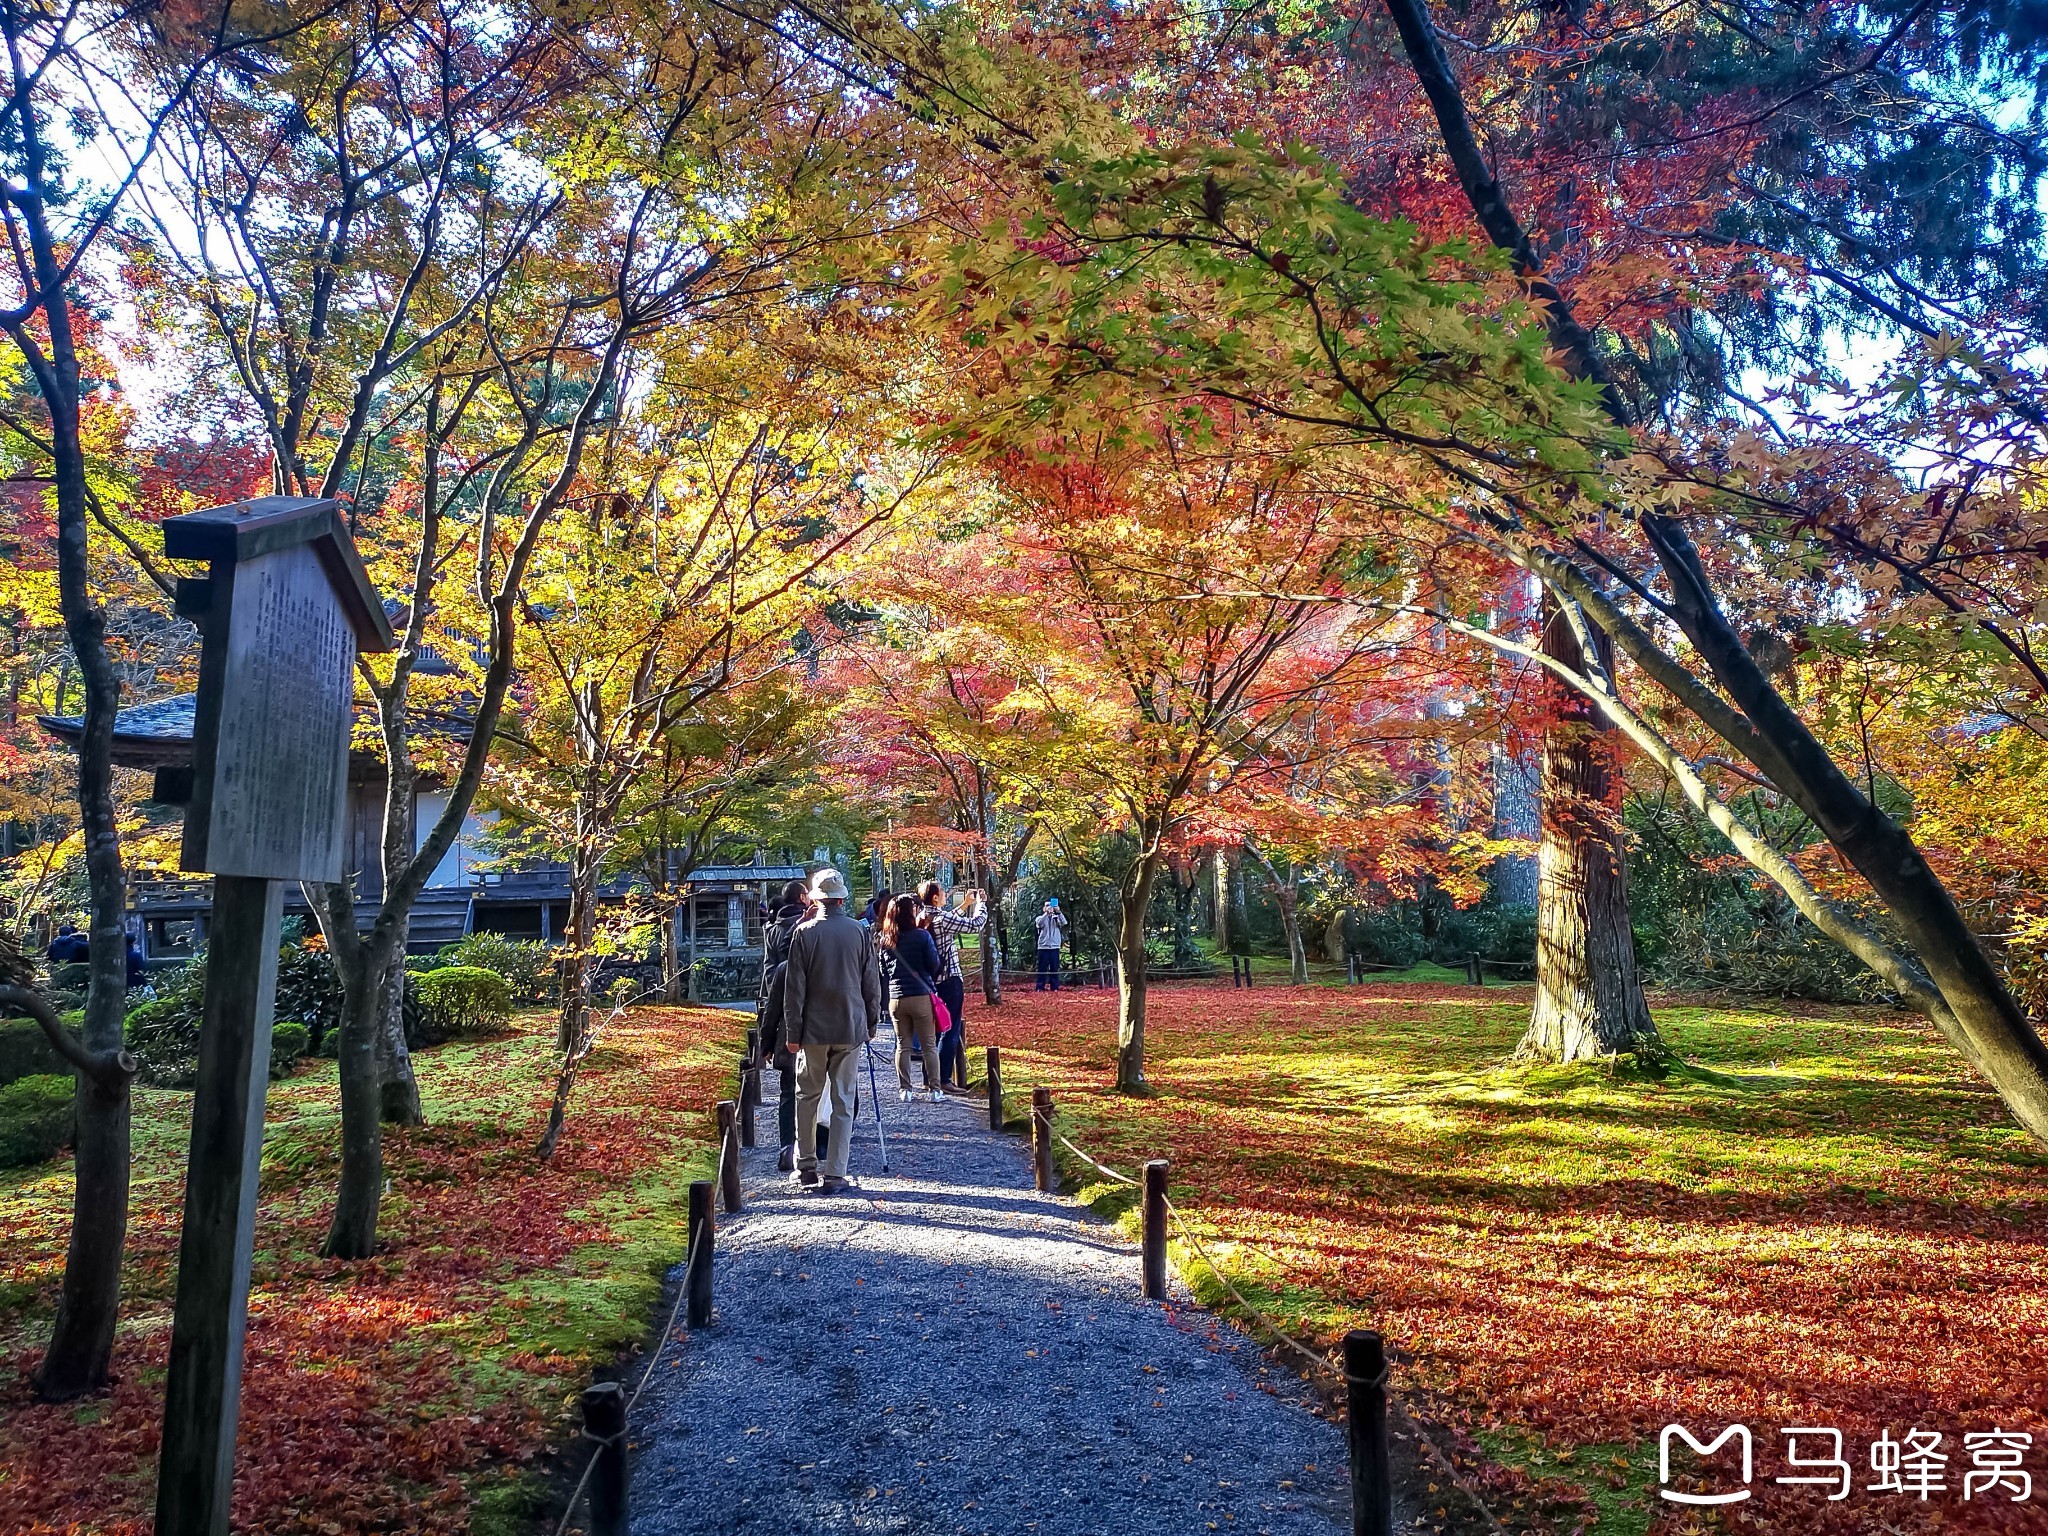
column 1362, row 1372
column 1361, row 1386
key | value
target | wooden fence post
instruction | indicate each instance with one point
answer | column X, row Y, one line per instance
column 697, row 1275
column 1154, row 1248
column 995, row 1088
column 604, row 1421
column 750, row 1100
column 1365, row 1391
column 753, row 1052
column 1041, row 1138
column 1473, row 975
column 729, row 1154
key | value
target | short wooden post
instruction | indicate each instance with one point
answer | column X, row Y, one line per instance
column 750, row 1101
column 729, row 1154
column 995, row 1088
column 1155, row 1229
column 1041, row 1137
column 1473, row 975
column 1365, row 1392
column 697, row 1274
column 753, row 1053
column 604, row 1422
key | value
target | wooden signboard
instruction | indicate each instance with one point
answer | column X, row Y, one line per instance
column 282, row 612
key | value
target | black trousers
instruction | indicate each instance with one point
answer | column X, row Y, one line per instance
column 952, row 1052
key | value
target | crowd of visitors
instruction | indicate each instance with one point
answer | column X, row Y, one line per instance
column 827, row 976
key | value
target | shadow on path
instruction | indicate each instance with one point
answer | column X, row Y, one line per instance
column 945, row 1352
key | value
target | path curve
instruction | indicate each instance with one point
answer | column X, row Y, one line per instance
column 946, row 1352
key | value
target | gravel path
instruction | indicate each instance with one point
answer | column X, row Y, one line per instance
column 942, row 1350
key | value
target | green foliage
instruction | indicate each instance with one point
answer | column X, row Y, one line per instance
column 1505, row 933
column 1385, row 935
column 1702, row 920
column 25, row 1051
column 288, row 1044
column 163, row 1035
column 1247, row 264
column 461, row 1000
column 75, row 977
column 36, row 1118
column 309, row 991
column 527, row 965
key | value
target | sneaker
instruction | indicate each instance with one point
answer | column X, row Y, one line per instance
column 834, row 1186
column 785, row 1161
column 937, row 1096
column 808, row 1177
column 904, row 1095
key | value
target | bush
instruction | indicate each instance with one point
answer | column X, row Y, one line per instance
column 25, row 1051
column 463, row 1000
column 1382, row 936
column 74, row 977
column 36, row 1119
column 288, row 1043
column 163, row 1035
column 527, row 965
column 309, row 991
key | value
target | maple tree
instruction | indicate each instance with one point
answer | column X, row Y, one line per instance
column 661, row 674
column 1116, row 608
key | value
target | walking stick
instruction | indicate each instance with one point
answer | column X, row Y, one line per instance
column 876, row 1094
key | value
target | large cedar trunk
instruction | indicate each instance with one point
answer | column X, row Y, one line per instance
column 1136, row 898
column 1219, row 870
column 1589, row 992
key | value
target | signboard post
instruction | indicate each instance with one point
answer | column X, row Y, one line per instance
column 284, row 609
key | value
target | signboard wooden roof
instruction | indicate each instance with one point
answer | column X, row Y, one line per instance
column 283, row 610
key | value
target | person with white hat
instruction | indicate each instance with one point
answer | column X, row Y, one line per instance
column 832, row 1005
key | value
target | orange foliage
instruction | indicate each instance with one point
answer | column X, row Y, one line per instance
column 1829, row 1229
column 374, row 1394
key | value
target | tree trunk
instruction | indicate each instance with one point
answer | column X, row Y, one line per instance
column 1136, row 899
column 398, row 1090
column 672, row 977
column 576, row 958
column 88, row 1305
column 369, row 965
column 1589, row 994
column 1286, row 896
column 1219, row 869
column 1290, row 923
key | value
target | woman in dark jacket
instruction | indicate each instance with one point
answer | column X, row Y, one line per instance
column 910, row 966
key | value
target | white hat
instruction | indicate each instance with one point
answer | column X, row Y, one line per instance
column 828, row 885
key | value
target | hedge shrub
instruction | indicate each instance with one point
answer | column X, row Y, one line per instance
column 37, row 1119
column 289, row 1043
column 527, row 965
column 163, row 1036
column 75, row 976
column 464, row 1000
column 25, row 1051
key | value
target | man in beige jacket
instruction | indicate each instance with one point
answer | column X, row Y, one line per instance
column 832, row 1002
